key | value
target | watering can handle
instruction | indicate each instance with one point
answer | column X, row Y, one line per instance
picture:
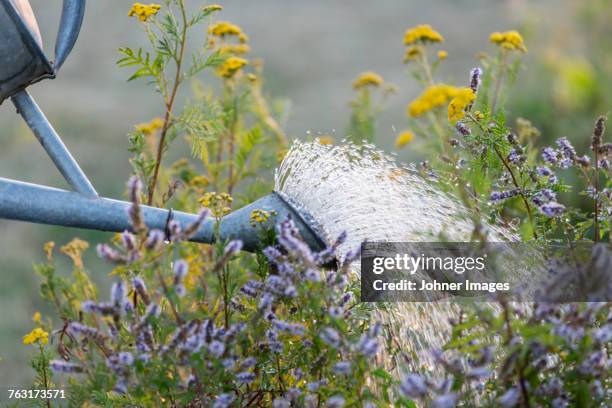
column 70, row 25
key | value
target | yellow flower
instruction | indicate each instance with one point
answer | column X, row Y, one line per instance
column 431, row 98
column 199, row 181
column 422, row 33
column 74, row 249
column 456, row 107
column 231, row 66
column 412, row 53
column 150, row 127
column 218, row 203
column 442, row 55
column 48, row 248
column 143, row 11
column 404, row 138
column 242, row 37
column 510, row 40
column 37, row 335
column 235, row 49
column 37, row 317
column 223, row 28
column 260, row 216
column 326, row 140
column 367, row 79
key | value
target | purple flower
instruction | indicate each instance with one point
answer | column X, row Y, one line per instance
column 550, row 156
column 543, row 196
column 552, row 209
column 330, row 336
column 59, row 366
column 445, row 401
column 232, row 248
column 515, row 156
column 224, row 401
column 245, row 377
column 109, row 254
column 510, row 398
column 544, row 171
column 462, row 129
column 281, row 403
column 566, row 147
column 155, row 240
column 413, row 386
column 126, row 358
column 180, row 270
column 216, row 348
column 475, row 78
column 367, row 346
column 118, row 294
column 337, row 401
column 503, row 195
column 342, row 367
column 128, row 240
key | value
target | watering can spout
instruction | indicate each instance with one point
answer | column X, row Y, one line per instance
column 45, row 205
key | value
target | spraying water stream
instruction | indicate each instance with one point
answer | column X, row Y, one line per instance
column 368, row 194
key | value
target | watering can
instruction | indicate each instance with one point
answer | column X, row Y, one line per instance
column 22, row 63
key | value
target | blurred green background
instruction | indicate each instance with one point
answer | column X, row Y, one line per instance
column 312, row 51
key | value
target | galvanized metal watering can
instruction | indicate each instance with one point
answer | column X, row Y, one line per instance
column 22, row 63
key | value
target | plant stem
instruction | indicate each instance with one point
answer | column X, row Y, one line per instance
column 169, row 105
column 498, row 80
column 596, row 194
column 509, row 169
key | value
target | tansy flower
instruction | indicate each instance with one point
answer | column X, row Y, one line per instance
column 218, row 203
column 235, row 49
column 37, row 317
column 143, row 11
column 326, row 140
column 231, row 66
column 431, row 98
column 404, row 138
column 37, row 335
column 510, row 40
column 74, row 249
column 48, row 248
column 151, row 127
column 223, row 28
column 412, row 53
column 422, row 33
column 367, row 79
column 442, row 55
column 456, row 107
column 260, row 216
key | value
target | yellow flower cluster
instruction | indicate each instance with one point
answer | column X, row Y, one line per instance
column 442, row 55
column 74, row 250
column 37, row 335
column 199, row 182
column 326, row 140
column 143, row 11
column 431, row 98
column 231, row 65
column 367, row 79
column 150, row 127
column 404, row 138
column 510, row 40
column 422, row 33
column 225, row 28
column 260, row 216
column 218, row 203
column 238, row 49
column 456, row 108
column 413, row 53
column 37, row 317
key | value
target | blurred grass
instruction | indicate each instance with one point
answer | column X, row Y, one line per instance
column 312, row 50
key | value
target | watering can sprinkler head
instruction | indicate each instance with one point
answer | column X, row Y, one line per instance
column 22, row 63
